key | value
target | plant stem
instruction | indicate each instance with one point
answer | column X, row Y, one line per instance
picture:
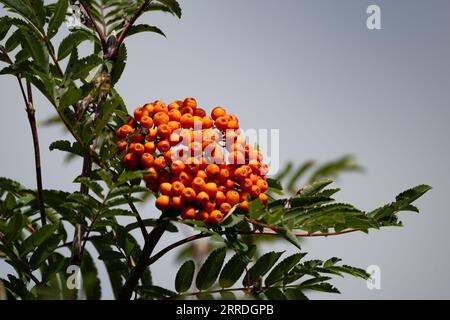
column 37, row 156
column 150, row 244
column 139, row 220
column 125, row 30
column 101, row 35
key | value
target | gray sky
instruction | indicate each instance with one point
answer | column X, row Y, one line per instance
column 332, row 87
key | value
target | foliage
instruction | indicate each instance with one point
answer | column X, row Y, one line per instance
column 35, row 225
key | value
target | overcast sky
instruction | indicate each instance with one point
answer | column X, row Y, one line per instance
column 313, row 70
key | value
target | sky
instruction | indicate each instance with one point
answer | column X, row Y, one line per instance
column 313, row 70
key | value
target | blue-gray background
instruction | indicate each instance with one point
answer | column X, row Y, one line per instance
column 313, row 70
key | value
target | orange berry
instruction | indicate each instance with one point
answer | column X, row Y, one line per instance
column 137, row 137
column 236, row 157
column 244, row 206
column 151, row 176
column 233, row 125
column 130, row 160
column 146, row 122
column 215, row 217
column 188, row 213
column 262, row 184
column 202, row 216
column 137, row 148
column 217, row 112
column 188, row 194
column 160, row 118
column 138, row 112
column 202, row 198
column 222, row 123
column 165, row 188
column 151, row 134
column 225, row 207
column 187, row 120
column 210, row 205
column 163, row 203
column 207, row 122
column 174, row 125
column 185, row 178
column 190, row 103
column 177, row 167
column 201, row 174
column 163, row 146
column 232, row 197
column 230, row 184
column 173, row 106
column 149, row 147
column 199, row 112
column 212, row 170
column 255, row 191
column 187, row 110
column 263, row 197
column 220, row 197
column 147, row 160
column 163, row 131
column 149, row 108
column 177, row 203
column 160, row 106
column 124, row 131
column 121, row 145
column 244, row 196
column 197, row 122
column 224, row 174
column 159, row 163
column 177, row 188
column 174, row 115
column 246, row 184
column 210, row 188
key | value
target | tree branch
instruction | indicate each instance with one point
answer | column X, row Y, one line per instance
column 101, row 35
column 150, row 244
column 37, row 156
column 126, row 29
column 139, row 220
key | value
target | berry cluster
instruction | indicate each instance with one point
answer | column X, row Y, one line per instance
column 199, row 166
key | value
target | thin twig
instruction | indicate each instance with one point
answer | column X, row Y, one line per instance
column 139, row 220
column 126, row 29
column 37, row 156
column 101, row 35
column 150, row 243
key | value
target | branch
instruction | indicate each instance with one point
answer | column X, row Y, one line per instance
column 125, row 30
column 101, row 35
column 157, row 256
column 37, row 156
column 150, row 244
column 139, row 220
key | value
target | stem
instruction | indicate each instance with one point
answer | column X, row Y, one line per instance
column 139, row 220
column 150, row 244
column 101, row 35
column 37, row 156
column 158, row 255
column 125, row 30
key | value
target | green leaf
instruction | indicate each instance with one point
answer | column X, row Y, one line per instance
column 130, row 175
column 261, row 267
column 173, row 6
column 111, row 255
column 73, row 40
column 275, row 185
column 333, row 168
column 150, row 223
column 43, row 251
column 92, row 185
column 70, row 96
column 412, row 194
column 15, row 226
column 5, row 25
column 314, row 187
column 64, row 145
column 58, row 18
column 294, row 294
column 82, row 67
column 185, row 274
column 291, row 237
column 91, row 282
column 274, row 294
column 210, row 269
column 37, row 238
column 13, row 41
column 298, row 175
column 24, row 10
column 232, row 271
column 283, row 268
column 36, row 48
column 144, row 28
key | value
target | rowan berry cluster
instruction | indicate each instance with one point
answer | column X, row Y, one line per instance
column 200, row 166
